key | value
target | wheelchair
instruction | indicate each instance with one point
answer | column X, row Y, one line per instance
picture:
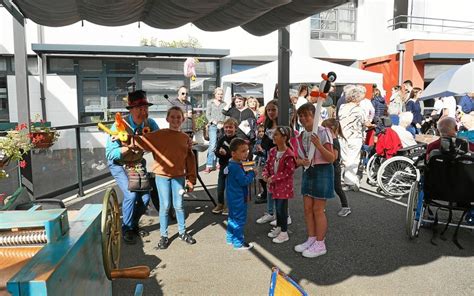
column 447, row 182
column 396, row 175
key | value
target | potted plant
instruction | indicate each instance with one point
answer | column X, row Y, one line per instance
column 42, row 136
column 201, row 126
column 13, row 147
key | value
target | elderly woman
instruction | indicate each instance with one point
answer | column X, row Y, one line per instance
column 407, row 138
column 353, row 121
column 215, row 118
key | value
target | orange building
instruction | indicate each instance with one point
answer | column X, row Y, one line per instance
column 423, row 60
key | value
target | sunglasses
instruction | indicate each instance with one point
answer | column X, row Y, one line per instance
column 184, row 93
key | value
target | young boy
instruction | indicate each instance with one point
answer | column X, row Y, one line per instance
column 223, row 154
column 238, row 179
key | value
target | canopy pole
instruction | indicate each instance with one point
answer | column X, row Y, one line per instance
column 284, row 76
column 22, row 93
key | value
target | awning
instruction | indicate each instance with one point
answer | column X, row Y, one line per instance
column 258, row 17
column 149, row 51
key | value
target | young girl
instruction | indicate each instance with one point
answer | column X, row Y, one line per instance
column 318, row 181
column 278, row 173
column 333, row 125
column 260, row 159
column 174, row 162
column 271, row 119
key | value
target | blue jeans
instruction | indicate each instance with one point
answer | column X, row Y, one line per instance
column 270, row 203
column 236, row 222
column 221, row 186
column 134, row 204
column 211, row 156
column 170, row 188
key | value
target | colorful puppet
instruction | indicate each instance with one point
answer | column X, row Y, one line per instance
column 120, row 124
column 190, row 68
column 324, row 88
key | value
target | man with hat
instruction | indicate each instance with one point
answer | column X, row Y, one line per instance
column 121, row 155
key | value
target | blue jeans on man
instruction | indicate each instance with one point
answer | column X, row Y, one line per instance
column 134, row 204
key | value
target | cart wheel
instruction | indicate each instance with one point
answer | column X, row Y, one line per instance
column 111, row 232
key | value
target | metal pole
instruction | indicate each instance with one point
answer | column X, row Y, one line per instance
column 42, row 73
column 77, row 130
column 401, row 53
column 22, row 93
column 284, row 76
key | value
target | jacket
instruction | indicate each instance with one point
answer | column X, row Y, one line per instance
column 388, row 143
column 281, row 186
column 224, row 143
column 236, row 183
column 379, row 106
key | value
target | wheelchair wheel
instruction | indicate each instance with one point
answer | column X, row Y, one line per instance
column 396, row 176
column 371, row 169
column 412, row 225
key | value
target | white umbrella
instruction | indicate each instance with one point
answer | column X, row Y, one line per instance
column 455, row 81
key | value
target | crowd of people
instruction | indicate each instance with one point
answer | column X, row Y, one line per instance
column 242, row 130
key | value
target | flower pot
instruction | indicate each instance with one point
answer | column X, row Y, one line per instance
column 42, row 140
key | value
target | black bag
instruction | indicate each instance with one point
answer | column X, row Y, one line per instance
column 138, row 179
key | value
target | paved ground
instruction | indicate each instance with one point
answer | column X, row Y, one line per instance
column 368, row 253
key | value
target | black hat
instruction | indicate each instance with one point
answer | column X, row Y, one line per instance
column 137, row 99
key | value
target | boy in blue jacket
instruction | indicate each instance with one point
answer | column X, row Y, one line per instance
column 237, row 181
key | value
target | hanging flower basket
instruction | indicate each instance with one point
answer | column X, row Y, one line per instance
column 43, row 140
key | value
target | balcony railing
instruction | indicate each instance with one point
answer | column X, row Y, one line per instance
column 431, row 25
column 75, row 160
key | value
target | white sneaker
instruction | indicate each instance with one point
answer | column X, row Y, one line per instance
column 275, row 232
column 274, row 222
column 265, row 219
column 344, row 212
column 301, row 247
column 316, row 249
column 281, row 238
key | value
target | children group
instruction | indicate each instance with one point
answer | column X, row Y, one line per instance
column 175, row 170
column 290, row 151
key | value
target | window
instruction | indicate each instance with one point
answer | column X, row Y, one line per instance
column 60, row 66
column 3, row 99
column 32, row 63
column 87, row 66
column 335, row 24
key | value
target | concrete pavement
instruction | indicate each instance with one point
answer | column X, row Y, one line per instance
column 368, row 254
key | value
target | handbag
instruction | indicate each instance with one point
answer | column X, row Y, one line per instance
column 138, row 179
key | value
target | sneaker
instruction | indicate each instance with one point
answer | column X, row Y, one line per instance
column 218, row 209
column 244, row 246
column 281, row 238
column 302, row 247
column 344, row 212
column 164, row 243
column 316, row 249
column 265, row 219
column 260, row 199
column 274, row 222
column 225, row 211
column 129, row 237
column 274, row 232
column 186, row 237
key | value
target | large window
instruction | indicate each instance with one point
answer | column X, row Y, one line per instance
column 335, row 24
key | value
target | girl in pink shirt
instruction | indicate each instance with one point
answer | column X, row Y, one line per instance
column 278, row 174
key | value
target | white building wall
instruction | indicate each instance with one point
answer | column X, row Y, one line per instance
column 373, row 38
column 61, row 99
column 34, row 91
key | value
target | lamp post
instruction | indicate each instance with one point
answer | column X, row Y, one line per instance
column 401, row 53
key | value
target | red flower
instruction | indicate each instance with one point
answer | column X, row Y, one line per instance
column 23, row 164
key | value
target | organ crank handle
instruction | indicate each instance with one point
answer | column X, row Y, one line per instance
column 136, row 272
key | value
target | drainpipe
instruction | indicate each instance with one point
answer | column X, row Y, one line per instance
column 401, row 53
column 42, row 73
